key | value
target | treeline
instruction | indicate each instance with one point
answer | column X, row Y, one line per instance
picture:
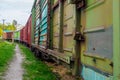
column 6, row 27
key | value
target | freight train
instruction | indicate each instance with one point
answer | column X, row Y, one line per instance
column 83, row 35
column 7, row 35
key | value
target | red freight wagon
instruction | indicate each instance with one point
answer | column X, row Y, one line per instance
column 21, row 35
column 29, row 31
column 7, row 35
column 25, row 34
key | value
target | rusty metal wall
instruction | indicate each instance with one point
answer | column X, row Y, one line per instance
column 7, row 35
column 28, row 25
column 22, row 34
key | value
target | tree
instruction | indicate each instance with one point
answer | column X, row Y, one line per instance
column 10, row 27
column 1, row 31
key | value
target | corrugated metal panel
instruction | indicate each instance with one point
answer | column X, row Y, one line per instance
column 29, row 30
column 37, row 22
column 21, row 35
column 26, row 33
column 43, row 26
column 89, row 74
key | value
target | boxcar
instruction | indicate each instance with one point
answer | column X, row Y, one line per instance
column 40, row 21
column 53, row 29
column 21, row 35
column 97, row 50
column 81, row 33
column 25, row 31
column 17, row 35
column 7, row 35
column 29, row 31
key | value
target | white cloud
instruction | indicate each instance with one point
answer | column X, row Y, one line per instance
column 15, row 9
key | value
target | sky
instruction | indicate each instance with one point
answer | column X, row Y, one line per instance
column 19, row 10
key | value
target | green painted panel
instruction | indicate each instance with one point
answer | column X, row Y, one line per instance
column 17, row 35
column 33, row 25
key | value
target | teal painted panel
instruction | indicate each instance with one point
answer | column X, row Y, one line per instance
column 43, row 25
column 42, row 2
column 89, row 74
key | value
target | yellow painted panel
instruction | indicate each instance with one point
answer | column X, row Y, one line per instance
column 68, row 29
column 97, row 15
column 56, row 36
column 55, row 1
column 68, row 11
column 101, row 63
column 56, row 28
column 70, row 25
column 56, row 17
column 56, row 41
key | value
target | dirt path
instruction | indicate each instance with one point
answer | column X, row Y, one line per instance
column 15, row 70
column 64, row 73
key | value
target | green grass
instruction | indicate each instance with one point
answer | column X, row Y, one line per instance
column 34, row 68
column 6, row 54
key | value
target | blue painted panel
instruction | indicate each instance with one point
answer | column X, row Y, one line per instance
column 100, row 43
column 44, row 32
column 42, row 2
column 43, row 24
column 89, row 74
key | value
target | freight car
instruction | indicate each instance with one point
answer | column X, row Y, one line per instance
column 69, row 31
column 22, row 35
column 17, row 35
column 53, row 26
column 29, row 24
column 40, row 25
column 25, row 33
column 82, row 34
column 54, row 30
column 7, row 35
